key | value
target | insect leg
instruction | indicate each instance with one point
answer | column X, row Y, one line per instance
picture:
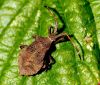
column 50, row 30
column 23, row 46
column 51, row 60
column 35, row 36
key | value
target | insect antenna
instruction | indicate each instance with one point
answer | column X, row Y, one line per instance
column 78, row 51
column 55, row 30
column 55, row 18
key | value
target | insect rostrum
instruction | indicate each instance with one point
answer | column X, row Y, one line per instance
column 32, row 58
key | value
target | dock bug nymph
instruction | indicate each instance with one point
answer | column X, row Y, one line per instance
column 32, row 58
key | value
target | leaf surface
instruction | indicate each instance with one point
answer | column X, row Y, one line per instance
column 20, row 19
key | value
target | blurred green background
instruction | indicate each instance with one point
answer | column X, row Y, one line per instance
column 20, row 19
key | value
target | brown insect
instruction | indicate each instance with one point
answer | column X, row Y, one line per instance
column 33, row 58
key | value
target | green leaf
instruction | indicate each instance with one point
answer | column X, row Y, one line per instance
column 20, row 19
